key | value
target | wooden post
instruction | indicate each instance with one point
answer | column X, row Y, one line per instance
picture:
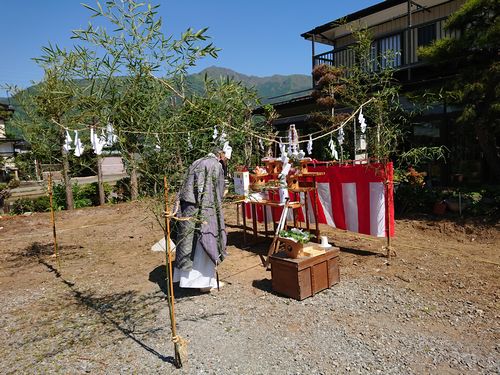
column 409, row 38
column 53, row 222
column 67, row 180
column 243, row 215
column 313, row 40
column 100, row 182
column 387, row 212
column 254, row 220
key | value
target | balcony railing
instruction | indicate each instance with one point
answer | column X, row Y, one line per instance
column 395, row 50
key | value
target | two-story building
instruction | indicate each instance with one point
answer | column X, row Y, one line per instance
column 9, row 147
column 401, row 26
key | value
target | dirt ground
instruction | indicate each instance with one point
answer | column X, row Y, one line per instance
column 434, row 308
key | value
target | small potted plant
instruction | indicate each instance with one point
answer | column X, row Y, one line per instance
column 294, row 240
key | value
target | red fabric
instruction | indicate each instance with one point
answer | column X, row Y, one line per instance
column 361, row 175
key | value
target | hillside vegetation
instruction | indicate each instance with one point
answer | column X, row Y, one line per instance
column 266, row 87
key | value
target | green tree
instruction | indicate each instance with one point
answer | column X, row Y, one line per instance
column 46, row 110
column 369, row 79
column 475, row 57
column 138, row 49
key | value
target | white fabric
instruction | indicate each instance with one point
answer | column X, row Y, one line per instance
column 325, row 200
column 350, row 202
column 377, row 209
column 202, row 275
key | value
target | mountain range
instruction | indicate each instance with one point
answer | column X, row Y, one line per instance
column 267, row 87
column 288, row 86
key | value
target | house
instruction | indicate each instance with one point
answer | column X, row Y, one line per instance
column 9, row 147
column 401, row 26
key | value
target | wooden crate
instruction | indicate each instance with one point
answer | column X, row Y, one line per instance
column 304, row 276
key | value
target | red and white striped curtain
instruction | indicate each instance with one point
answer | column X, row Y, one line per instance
column 351, row 197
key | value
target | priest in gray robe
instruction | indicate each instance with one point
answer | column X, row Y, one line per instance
column 201, row 241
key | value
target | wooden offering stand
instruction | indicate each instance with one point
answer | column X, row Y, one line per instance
column 313, row 271
column 301, row 182
column 258, row 181
column 273, row 166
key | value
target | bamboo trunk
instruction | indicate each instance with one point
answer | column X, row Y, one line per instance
column 134, row 184
column 67, row 181
column 100, row 182
column 53, row 222
column 180, row 345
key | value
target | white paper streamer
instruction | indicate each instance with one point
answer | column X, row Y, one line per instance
column 216, row 133
column 223, row 137
column 293, row 140
column 78, row 145
column 261, row 144
column 157, row 146
column 67, row 142
column 310, row 145
column 228, row 150
column 111, row 137
column 189, row 143
column 97, row 142
column 362, row 121
column 282, row 147
column 340, row 136
column 333, row 150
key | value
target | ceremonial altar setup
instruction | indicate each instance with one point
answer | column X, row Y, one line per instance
column 297, row 193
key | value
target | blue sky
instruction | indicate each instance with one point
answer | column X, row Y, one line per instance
column 257, row 37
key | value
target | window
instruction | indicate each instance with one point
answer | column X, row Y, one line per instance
column 426, row 35
column 389, row 51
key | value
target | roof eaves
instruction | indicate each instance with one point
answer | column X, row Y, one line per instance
column 352, row 17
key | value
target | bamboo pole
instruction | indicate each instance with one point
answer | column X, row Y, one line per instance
column 53, row 222
column 180, row 345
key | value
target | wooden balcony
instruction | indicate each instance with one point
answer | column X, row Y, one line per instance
column 397, row 50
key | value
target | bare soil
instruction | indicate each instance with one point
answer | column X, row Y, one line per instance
column 433, row 308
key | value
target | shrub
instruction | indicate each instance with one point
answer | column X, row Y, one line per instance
column 22, row 205
column 413, row 199
column 121, row 190
column 41, row 204
column 83, row 195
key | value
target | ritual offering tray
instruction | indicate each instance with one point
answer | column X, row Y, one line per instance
column 293, row 181
column 303, row 165
column 314, row 270
column 258, row 180
column 273, row 166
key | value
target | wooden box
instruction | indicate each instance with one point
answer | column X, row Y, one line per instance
column 304, row 276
